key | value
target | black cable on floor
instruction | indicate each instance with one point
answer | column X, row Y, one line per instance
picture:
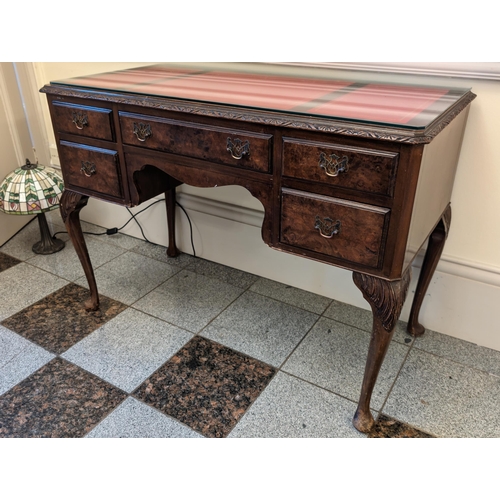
column 115, row 230
column 133, row 217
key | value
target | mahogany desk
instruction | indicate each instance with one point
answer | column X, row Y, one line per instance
column 354, row 174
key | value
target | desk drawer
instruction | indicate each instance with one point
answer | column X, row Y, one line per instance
column 85, row 121
column 347, row 230
column 220, row 145
column 365, row 170
column 93, row 169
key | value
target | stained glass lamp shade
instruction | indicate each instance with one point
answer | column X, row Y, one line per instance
column 33, row 189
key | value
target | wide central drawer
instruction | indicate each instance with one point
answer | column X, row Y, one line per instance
column 220, row 145
column 361, row 169
column 351, row 231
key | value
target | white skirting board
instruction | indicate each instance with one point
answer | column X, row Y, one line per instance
column 462, row 300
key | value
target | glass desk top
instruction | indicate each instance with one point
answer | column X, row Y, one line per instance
column 274, row 87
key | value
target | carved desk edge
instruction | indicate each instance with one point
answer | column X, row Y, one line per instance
column 277, row 119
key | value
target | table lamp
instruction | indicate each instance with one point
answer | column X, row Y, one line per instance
column 34, row 189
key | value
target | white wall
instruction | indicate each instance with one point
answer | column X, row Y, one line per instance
column 15, row 143
column 465, row 293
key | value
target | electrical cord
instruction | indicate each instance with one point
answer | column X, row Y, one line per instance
column 190, row 226
column 115, row 230
column 133, row 217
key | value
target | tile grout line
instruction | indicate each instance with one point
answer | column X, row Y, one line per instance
column 280, row 368
column 129, row 394
column 471, row 367
column 396, row 378
column 381, row 411
column 288, row 303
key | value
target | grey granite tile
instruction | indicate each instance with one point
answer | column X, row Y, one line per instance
column 130, row 276
column 261, row 327
column 66, row 263
column 227, row 274
column 19, row 358
column 292, row 408
column 291, row 295
column 460, row 351
column 445, row 398
column 189, row 300
column 159, row 252
column 11, row 345
column 333, row 356
column 128, row 348
column 20, row 246
column 363, row 319
column 23, row 285
column 133, row 419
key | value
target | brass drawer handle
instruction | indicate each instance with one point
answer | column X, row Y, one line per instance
column 238, row 148
column 80, row 119
column 332, row 165
column 327, row 227
column 88, row 168
column 142, row 131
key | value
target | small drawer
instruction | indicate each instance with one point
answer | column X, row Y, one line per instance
column 220, row 145
column 90, row 168
column 351, row 231
column 361, row 169
column 86, row 121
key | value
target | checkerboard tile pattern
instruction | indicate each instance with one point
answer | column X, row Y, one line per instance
column 201, row 350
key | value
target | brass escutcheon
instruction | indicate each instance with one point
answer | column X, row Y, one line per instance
column 327, row 227
column 332, row 165
column 142, row 131
column 88, row 168
column 80, row 119
column 238, row 148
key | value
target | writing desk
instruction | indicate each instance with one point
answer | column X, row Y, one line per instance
column 354, row 174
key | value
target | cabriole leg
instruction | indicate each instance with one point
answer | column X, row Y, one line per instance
column 435, row 247
column 70, row 205
column 386, row 299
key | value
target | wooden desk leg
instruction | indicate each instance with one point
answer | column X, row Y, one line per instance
column 386, row 299
column 170, row 204
column 70, row 205
column 435, row 247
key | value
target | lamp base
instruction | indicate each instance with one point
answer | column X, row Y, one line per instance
column 48, row 244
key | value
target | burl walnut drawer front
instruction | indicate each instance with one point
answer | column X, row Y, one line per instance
column 91, row 169
column 86, row 121
column 346, row 230
column 220, row 145
column 361, row 169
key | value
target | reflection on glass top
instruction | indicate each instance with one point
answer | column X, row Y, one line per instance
column 294, row 89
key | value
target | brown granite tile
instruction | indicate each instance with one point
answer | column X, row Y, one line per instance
column 59, row 320
column 59, row 400
column 386, row 427
column 7, row 261
column 206, row 386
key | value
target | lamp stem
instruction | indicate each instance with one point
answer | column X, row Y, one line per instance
column 48, row 244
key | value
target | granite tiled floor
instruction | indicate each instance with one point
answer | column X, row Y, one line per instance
column 189, row 348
